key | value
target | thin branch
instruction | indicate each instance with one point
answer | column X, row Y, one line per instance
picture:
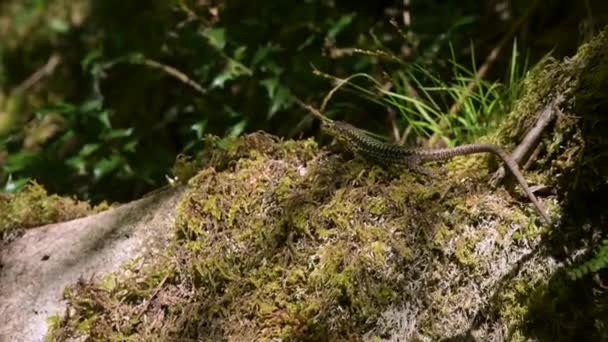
column 487, row 64
column 176, row 74
column 156, row 290
column 315, row 112
column 407, row 19
column 525, row 149
column 411, row 91
column 336, row 52
column 493, row 56
column 392, row 118
column 41, row 73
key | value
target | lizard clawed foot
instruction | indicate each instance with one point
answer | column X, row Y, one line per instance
column 424, row 171
column 543, row 190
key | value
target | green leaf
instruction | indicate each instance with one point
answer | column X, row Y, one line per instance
column 107, row 166
column 90, row 59
column 237, row 129
column 260, row 55
column 222, row 78
column 104, row 117
column 339, row 26
column 216, row 37
column 199, row 128
column 239, row 53
column 13, row 185
column 136, row 58
column 19, row 161
column 278, row 94
column 271, row 85
column 79, row 164
column 118, row 133
column 59, row 25
column 282, row 100
column 91, row 105
column 232, row 113
column 88, row 149
column 232, row 71
column 307, row 42
column 131, row 146
column 58, row 107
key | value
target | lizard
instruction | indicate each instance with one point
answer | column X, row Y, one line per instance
column 362, row 143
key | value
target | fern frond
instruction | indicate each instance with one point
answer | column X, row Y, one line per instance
column 593, row 265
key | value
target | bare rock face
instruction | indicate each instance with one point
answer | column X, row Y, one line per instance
column 35, row 269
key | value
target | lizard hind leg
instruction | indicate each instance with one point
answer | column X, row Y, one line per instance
column 414, row 165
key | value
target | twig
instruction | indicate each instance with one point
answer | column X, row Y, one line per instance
column 483, row 70
column 176, row 74
column 336, row 52
column 41, row 73
column 406, row 133
column 137, row 59
column 156, row 290
column 532, row 138
column 392, row 118
column 411, row 91
column 533, row 156
column 407, row 19
column 315, row 112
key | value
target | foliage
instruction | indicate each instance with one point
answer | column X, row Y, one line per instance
column 142, row 81
column 139, row 82
column 598, row 262
column 32, row 206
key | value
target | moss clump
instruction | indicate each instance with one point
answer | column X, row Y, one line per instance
column 32, row 206
column 281, row 240
column 277, row 239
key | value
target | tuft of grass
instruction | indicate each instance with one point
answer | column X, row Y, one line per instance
column 459, row 110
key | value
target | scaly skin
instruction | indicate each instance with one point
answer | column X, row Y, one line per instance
column 361, row 143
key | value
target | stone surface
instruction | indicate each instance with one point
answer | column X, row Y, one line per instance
column 35, row 269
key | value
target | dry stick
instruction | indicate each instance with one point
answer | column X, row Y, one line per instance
column 156, row 290
column 533, row 156
column 176, row 74
column 411, row 91
column 41, row 73
column 481, row 73
column 316, row 113
column 407, row 19
column 341, row 52
column 532, row 138
column 392, row 118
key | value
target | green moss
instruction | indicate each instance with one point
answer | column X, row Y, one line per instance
column 442, row 234
column 465, row 249
column 210, row 207
column 33, row 206
column 284, row 188
column 278, row 239
column 297, row 246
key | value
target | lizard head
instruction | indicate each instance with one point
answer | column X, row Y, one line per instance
column 341, row 131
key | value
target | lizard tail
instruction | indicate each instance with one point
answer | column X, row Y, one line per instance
column 445, row 153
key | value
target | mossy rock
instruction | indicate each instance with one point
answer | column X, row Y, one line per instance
column 283, row 240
